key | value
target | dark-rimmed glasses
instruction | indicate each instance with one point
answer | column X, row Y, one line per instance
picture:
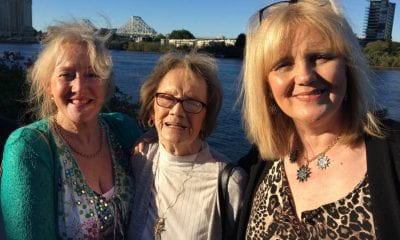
column 189, row 105
column 263, row 10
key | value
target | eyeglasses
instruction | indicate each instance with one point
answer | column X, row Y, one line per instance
column 189, row 105
column 262, row 13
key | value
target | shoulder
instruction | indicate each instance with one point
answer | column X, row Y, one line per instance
column 123, row 126
column 29, row 133
column 117, row 118
column 391, row 127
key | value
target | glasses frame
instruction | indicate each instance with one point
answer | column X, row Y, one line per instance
column 179, row 100
column 261, row 11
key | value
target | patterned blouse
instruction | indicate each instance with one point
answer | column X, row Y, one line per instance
column 273, row 215
column 85, row 214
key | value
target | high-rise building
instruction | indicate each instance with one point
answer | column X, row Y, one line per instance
column 379, row 21
column 15, row 18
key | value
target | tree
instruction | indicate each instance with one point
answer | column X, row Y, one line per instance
column 181, row 34
column 240, row 41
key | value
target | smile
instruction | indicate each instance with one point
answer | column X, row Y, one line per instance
column 79, row 103
column 175, row 125
column 311, row 96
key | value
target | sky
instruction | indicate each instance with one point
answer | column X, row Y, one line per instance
column 203, row 18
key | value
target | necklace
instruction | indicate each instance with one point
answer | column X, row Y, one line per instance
column 323, row 161
column 159, row 225
column 92, row 155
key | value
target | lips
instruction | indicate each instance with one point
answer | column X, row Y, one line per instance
column 310, row 95
column 175, row 125
column 80, row 103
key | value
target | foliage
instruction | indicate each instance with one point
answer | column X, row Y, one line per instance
column 13, row 86
column 14, row 90
column 383, row 53
column 181, row 34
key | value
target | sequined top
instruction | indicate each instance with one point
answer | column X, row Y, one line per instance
column 44, row 195
column 273, row 215
column 85, row 214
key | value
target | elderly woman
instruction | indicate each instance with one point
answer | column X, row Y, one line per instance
column 177, row 176
column 326, row 166
column 68, row 175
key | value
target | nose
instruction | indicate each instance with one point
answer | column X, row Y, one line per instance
column 177, row 109
column 78, row 83
column 304, row 73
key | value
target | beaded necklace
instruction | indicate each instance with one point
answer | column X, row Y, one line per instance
column 92, row 155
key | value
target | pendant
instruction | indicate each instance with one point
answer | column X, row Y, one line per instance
column 159, row 227
column 323, row 161
column 303, row 173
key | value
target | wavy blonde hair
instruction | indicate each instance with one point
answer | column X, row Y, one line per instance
column 39, row 75
column 267, row 41
column 199, row 64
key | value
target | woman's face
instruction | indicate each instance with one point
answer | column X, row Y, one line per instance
column 178, row 130
column 309, row 82
column 77, row 91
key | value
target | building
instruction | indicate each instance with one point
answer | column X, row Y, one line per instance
column 379, row 21
column 16, row 18
column 198, row 43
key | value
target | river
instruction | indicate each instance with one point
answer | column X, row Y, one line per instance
column 131, row 68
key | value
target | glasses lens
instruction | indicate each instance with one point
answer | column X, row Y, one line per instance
column 169, row 101
column 165, row 100
column 192, row 106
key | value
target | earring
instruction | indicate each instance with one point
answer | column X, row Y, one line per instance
column 150, row 122
column 273, row 109
column 52, row 98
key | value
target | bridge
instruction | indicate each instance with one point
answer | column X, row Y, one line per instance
column 136, row 27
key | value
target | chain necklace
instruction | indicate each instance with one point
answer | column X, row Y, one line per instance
column 323, row 161
column 92, row 155
column 159, row 225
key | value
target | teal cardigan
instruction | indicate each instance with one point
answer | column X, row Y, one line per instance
column 31, row 169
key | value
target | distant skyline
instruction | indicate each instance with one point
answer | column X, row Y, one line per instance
column 205, row 19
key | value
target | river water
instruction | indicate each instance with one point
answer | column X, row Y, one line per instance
column 131, row 68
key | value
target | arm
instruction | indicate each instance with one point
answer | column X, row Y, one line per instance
column 28, row 187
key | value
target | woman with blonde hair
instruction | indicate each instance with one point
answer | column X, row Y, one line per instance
column 68, row 175
column 323, row 166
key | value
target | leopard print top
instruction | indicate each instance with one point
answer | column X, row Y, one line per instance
column 273, row 215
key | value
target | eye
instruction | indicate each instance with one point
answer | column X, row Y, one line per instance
column 166, row 97
column 91, row 75
column 322, row 57
column 283, row 66
column 66, row 76
column 193, row 103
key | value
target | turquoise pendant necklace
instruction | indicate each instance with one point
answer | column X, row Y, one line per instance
column 323, row 161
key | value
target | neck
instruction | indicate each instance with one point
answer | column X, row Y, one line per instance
column 84, row 132
column 183, row 149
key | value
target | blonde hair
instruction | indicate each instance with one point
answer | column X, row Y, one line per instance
column 39, row 76
column 267, row 41
column 203, row 66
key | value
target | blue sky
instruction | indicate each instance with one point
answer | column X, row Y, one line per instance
column 204, row 18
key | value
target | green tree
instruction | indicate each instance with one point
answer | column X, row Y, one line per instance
column 181, row 34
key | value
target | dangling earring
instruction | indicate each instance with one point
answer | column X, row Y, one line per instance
column 150, row 122
column 273, row 109
column 52, row 98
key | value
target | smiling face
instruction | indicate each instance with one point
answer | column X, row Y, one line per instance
column 309, row 82
column 77, row 91
column 178, row 131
